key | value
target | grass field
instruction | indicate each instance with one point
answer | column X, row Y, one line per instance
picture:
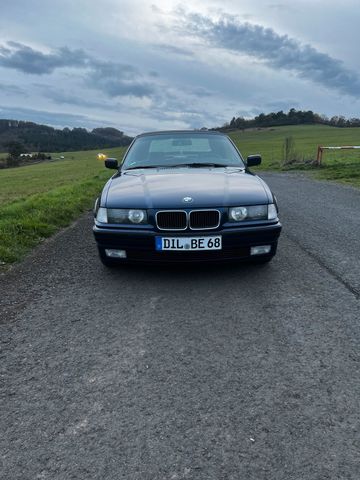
column 343, row 166
column 37, row 200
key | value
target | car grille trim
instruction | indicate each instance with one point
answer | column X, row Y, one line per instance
column 171, row 220
column 181, row 220
column 204, row 219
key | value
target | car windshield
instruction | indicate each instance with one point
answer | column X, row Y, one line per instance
column 182, row 149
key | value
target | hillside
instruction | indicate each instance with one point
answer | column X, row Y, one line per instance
column 36, row 137
column 269, row 142
column 340, row 165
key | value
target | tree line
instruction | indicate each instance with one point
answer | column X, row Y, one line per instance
column 292, row 117
column 41, row 138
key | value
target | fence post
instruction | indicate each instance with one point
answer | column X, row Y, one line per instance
column 319, row 155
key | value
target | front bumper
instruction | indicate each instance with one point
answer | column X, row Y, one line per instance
column 236, row 243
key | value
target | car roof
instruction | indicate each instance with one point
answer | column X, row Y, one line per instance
column 193, row 132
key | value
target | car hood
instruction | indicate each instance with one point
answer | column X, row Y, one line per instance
column 166, row 188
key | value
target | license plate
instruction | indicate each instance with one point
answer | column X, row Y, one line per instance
column 186, row 244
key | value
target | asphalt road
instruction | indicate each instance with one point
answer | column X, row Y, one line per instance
column 232, row 372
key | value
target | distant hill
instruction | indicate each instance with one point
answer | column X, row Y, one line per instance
column 43, row 138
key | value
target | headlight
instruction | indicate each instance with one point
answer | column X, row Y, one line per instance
column 122, row 215
column 253, row 212
column 237, row 214
column 136, row 216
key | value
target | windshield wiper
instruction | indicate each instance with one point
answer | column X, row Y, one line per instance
column 140, row 167
column 193, row 164
column 200, row 164
column 208, row 164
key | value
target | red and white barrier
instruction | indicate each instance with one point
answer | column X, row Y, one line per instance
column 322, row 148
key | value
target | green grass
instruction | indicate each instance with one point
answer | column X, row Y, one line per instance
column 342, row 166
column 37, row 200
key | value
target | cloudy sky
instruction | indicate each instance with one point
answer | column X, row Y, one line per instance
column 140, row 65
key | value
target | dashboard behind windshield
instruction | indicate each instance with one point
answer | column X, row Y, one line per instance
column 176, row 149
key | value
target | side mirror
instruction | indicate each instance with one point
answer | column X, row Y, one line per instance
column 253, row 160
column 111, row 163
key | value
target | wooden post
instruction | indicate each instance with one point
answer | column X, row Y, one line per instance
column 319, row 155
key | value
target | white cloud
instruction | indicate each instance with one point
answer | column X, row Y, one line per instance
column 129, row 64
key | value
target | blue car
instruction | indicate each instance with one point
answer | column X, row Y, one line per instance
column 185, row 196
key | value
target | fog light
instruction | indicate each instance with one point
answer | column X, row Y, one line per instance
column 260, row 250
column 115, row 253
